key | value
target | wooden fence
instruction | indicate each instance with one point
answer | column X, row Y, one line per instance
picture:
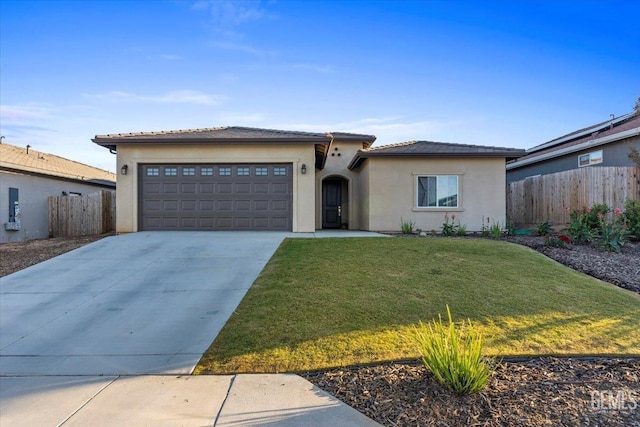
column 545, row 198
column 94, row 213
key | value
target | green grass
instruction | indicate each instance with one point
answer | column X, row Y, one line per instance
column 322, row 303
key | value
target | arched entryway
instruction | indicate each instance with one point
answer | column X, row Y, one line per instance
column 335, row 207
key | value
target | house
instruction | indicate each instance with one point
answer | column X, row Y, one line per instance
column 27, row 179
column 239, row 178
column 604, row 144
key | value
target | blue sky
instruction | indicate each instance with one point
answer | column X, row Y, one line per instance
column 505, row 73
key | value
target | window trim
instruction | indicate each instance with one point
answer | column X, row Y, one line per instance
column 416, row 187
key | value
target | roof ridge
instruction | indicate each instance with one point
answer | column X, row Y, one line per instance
column 162, row 132
column 397, row 144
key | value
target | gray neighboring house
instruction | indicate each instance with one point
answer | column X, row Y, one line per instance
column 27, row 179
column 604, row 144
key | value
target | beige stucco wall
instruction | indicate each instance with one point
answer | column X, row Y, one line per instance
column 338, row 158
column 391, row 185
column 297, row 154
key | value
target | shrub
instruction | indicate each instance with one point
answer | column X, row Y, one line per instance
column 594, row 214
column 612, row 233
column 632, row 217
column 579, row 230
column 454, row 355
column 462, row 229
column 449, row 228
column 407, row 226
column 544, row 229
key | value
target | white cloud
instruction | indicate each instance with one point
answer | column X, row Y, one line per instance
column 20, row 114
column 227, row 45
column 390, row 130
column 226, row 13
column 172, row 97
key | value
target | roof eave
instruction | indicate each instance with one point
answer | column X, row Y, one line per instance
column 574, row 148
column 360, row 156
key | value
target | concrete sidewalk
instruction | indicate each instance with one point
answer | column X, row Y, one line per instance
column 229, row 400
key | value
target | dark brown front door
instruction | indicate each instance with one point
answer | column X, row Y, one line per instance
column 331, row 203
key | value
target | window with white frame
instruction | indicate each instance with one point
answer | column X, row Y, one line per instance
column 589, row 159
column 438, row 191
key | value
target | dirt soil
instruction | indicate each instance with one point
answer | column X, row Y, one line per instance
column 535, row 392
column 16, row 256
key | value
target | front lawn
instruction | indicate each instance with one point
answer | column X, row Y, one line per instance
column 322, row 303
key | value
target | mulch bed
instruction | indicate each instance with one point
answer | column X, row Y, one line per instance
column 15, row 256
column 537, row 392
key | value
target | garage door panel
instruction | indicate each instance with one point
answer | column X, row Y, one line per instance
column 216, row 197
column 188, row 188
column 170, row 188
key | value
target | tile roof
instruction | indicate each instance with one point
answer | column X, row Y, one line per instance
column 17, row 159
column 434, row 149
column 226, row 134
column 604, row 131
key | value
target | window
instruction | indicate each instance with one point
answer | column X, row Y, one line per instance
column 170, row 171
column 13, row 202
column 261, row 171
column 279, row 171
column 589, row 159
column 153, row 171
column 206, row 171
column 224, row 171
column 242, row 171
column 438, row 191
column 188, row 171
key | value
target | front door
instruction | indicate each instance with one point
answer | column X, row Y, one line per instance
column 331, row 203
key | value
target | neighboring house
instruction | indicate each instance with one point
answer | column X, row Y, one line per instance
column 605, row 144
column 28, row 178
column 237, row 178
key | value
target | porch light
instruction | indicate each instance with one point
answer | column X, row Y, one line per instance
column 303, row 169
column 124, row 169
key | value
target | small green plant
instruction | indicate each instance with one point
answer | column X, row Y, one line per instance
column 495, row 230
column 632, row 218
column 407, row 227
column 544, row 229
column 449, row 228
column 454, row 354
column 511, row 228
column 594, row 214
column 612, row 233
column 462, row 229
column 484, row 229
column 555, row 242
column 579, row 230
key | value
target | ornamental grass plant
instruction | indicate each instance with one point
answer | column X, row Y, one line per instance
column 454, row 354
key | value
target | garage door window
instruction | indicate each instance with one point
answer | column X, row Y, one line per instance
column 262, row 171
column 243, row 171
column 153, row 171
column 188, row 171
column 206, row 171
column 224, row 171
column 279, row 171
column 170, row 171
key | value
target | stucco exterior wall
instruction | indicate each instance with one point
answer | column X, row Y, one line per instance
column 338, row 158
column 34, row 192
column 392, row 192
column 613, row 154
column 134, row 155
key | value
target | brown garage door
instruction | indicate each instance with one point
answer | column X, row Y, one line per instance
column 216, row 197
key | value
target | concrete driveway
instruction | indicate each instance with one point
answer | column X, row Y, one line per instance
column 141, row 303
